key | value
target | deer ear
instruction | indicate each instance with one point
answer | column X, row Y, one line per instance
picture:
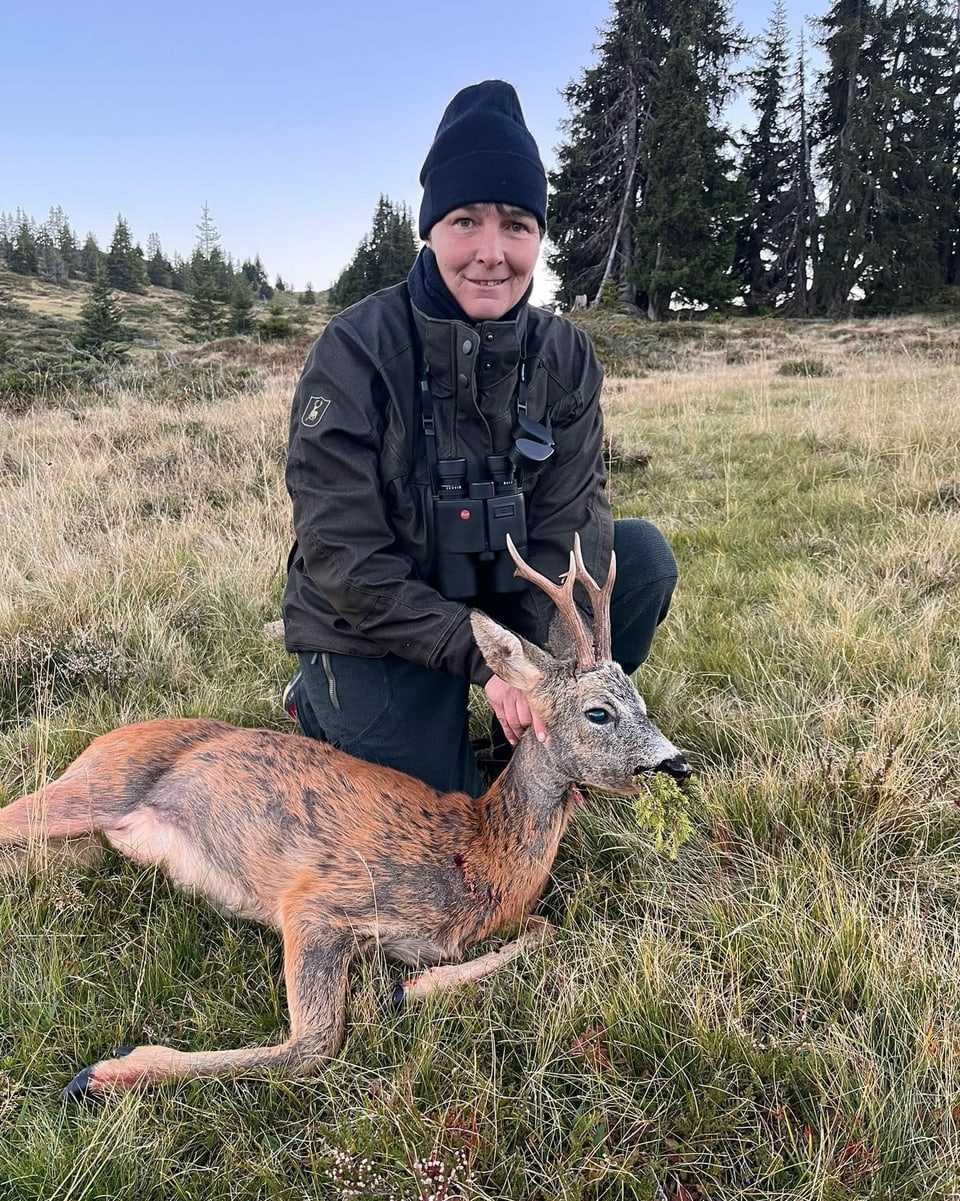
column 508, row 655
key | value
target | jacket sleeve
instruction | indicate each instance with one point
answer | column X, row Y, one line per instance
column 340, row 520
column 570, row 497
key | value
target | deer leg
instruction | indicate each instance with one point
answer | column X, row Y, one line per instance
column 48, row 819
column 315, row 971
column 456, row 975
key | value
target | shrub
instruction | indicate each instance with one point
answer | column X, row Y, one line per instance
column 807, row 367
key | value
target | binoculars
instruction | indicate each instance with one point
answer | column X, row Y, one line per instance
column 471, row 524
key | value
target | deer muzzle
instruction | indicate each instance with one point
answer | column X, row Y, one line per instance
column 677, row 767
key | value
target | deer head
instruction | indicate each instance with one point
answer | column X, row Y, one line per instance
column 598, row 731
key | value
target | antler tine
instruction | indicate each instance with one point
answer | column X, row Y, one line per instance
column 600, row 600
column 562, row 597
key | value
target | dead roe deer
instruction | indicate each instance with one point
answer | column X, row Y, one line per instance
column 342, row 856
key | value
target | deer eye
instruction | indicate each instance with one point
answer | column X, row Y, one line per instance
column 598, row 716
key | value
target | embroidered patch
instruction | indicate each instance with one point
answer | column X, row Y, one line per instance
column 315, row 408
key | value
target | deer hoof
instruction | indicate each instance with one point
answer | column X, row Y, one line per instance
column 81, row 1088
column 398, row 999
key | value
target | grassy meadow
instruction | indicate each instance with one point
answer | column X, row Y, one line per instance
column 770, row 1009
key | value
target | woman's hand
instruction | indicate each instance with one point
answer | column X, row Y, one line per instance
column 512, row 711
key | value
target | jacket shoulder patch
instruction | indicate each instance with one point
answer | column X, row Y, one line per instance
column 314, row 410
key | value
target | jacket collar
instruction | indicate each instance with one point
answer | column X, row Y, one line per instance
column 474, row 367
column 468, row 360
column 489, row 351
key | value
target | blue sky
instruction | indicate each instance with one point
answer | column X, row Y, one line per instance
column 288, row 119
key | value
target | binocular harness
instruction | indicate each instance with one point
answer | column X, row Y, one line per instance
column 471, row 520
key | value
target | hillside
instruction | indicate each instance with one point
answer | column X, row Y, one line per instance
column 630, row 345
column 38, row 322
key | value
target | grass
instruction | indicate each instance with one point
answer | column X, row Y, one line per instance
column 768, row 1010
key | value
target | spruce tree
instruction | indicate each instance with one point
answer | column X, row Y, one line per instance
column 276, row 325
column 159, row 267
column 125, row 269
column 850, row 128
column 595, row 189
column 7, row 231
column 207, row 308
column 762, row 245
column 241, row 320
column 356, row 280
column 687, row 215
column 391, row 243
column 642, row 193
column 91, row 259
column 64, row 240
column 256, row 275
column 180, row 274
column 949, row 235
column 50, row 263
column 208, row 236
column 799, row 242
column 100, row 332
column 889, row 149
column 914, row 215
column 24, row 256
column 307, row 296
column 382, row 259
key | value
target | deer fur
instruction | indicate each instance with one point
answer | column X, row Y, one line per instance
column 343, row 856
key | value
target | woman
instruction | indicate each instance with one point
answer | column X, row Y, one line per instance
column 429, row 418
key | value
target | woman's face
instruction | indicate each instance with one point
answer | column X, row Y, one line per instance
column 486, row 254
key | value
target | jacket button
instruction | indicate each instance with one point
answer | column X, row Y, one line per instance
column 467, row 346
column 488, row 337
column 487, row 365
column 463, row 379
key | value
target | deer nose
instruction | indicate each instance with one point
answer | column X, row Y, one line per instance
column 677, row 767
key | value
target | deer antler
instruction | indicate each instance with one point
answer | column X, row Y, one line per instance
column 562, row 597
column 600, row 600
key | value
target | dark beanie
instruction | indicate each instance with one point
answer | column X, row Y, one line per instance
column 482, row 153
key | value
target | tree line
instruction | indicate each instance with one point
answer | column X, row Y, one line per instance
column 222, row 293
column 844, row 192
column 841, row 195
column 51, row 250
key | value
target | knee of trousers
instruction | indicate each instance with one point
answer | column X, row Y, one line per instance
column 646, row 577
column 644, row 557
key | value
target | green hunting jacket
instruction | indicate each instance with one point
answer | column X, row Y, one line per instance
column 359, row 573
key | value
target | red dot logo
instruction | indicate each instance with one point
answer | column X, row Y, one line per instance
column 464, row 514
